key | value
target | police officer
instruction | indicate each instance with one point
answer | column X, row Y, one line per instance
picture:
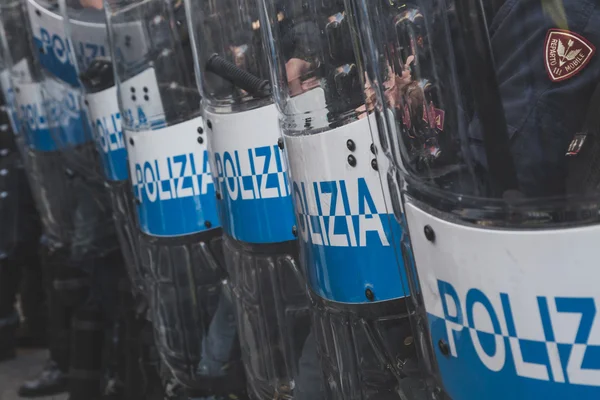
column 21, row 232
column 179, row 233
column 82, row 258
column 132, row 370
column 18, row 243
column 552, row 57
column 491, row 115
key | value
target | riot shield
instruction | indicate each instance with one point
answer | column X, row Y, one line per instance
column 82, row 262
column 9, row 168
column 19, row 235
column 6, row 86
column 45, row 169
column 68, row 135
column 57, row 59
column 490, row 110
column 347, row 236
column 86, row 29
column 254, row 200
column 178, row 227
column 46, row 172
column 9, row 209
column 20, row 222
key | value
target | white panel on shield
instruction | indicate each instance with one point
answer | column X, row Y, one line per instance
column 140, row 96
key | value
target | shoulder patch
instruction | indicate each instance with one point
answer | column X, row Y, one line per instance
column 566, row 54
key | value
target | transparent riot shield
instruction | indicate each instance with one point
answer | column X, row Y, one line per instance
column 86, row 29
column 346, row 234
column 179, row 229
column 9, row 164
column 70, row 136
column 46, row 171
column 6, row 86
column 20, row 230
column 9, row 213
column 57, row 58
column 490, row 110
column 44, row 167
column 84, row 272
column 254, row 200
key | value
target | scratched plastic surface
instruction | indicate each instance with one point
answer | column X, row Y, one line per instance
column 53, row 51
column 123, row 214
column 88, row 33
column 46, row 172
column 178, row 236
column 500, row 154
column 74, row 209
column 360, row 318
column 184, row 286
column 272, row 314
column 17, row 211
column 261, row 252
column 364, row 349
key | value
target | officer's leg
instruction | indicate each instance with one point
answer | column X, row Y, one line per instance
column 218, row 345
column 112, row 284
column 83, row 282
column 309, row 382
column 221, row 339
column 9, row 236
column 131, row 368
column 155, row 375
column 87, row 339
column 53, row 377
column 9, row 318
column 32, row 331
column 82, row 289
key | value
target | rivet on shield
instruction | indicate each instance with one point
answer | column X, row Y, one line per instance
column 350, row 145
column 374, row 164
column 444, row 348
column 352, row 160
column 429, row 233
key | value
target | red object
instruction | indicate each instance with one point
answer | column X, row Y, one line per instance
column 566, row 54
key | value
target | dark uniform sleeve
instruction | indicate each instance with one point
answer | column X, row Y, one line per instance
column 543, row 114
